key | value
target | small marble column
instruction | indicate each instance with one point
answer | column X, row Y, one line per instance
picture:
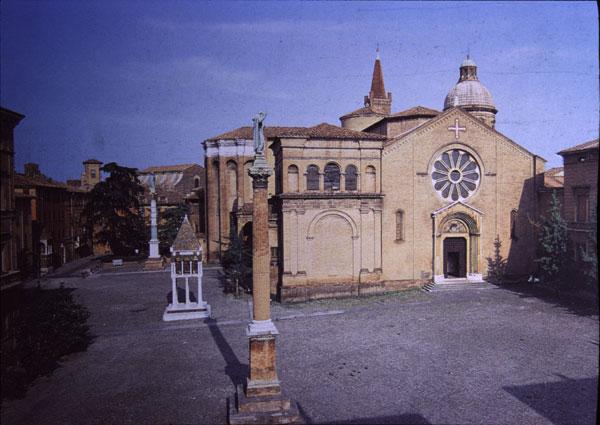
column 153, row 229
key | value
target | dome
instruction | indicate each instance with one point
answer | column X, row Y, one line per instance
column 469, row 93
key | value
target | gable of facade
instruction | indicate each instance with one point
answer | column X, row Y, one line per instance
column 427, row 169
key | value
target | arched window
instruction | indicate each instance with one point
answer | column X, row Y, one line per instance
column 351, row 177
column 293, row 178
column 370, row 179
column 332, row 177
column 399, row 225
column 196, row 182
column 312, row 177
column 513, row 225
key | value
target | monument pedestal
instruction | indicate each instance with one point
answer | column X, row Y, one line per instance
column 262, row 402
column 186, row 311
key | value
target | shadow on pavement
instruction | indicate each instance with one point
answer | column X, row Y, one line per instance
column 400, row 419
column 577, row 306
column 236, row 371
column 568, row 401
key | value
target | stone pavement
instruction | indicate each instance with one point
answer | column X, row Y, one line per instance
column 467, row 356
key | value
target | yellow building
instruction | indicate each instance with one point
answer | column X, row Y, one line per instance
column 386, row 201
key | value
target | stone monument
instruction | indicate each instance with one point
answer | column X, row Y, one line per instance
column 154, row 260
column 262, row 400
column 186, row 265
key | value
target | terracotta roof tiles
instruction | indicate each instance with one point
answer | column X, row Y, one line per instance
column 592, row 144
column 416, row 111
column 167, row 168
column 320, row 131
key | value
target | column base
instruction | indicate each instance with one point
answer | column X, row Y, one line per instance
column 153, row 264
column 266, row 409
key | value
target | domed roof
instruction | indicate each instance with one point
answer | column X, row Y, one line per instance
column 469, row 93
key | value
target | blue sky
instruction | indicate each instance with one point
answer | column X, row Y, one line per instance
column 144, row 83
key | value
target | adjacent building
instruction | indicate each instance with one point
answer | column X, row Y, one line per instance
column 50, row 220
column 580, row 196
column 10, row 276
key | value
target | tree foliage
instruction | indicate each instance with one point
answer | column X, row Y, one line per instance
column 113, row 211
column 590, row 259
column 237, row 264
column 552, row 243
column 496, row 264
column 170, row 222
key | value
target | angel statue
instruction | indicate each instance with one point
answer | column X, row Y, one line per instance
column 258, row 133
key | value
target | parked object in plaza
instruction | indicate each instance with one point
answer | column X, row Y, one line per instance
column 186, row 265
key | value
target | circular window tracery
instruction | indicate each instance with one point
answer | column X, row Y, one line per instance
column 455, row 175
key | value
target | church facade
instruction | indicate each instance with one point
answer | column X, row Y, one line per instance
column 385, row 201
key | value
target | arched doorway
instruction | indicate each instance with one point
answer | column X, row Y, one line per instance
column 455, row 257
column 456, row 245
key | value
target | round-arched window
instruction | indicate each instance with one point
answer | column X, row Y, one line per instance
column 455, row 175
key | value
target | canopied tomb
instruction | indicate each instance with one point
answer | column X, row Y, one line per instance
column 186, row 267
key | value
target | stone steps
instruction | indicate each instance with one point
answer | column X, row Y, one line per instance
column 456, row 285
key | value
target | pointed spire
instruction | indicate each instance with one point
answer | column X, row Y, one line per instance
column 377, row 86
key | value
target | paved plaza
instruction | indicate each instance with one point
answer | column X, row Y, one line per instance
column 492, row 356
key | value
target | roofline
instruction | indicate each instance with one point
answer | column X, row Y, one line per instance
column 468, row 115
column 13, row 113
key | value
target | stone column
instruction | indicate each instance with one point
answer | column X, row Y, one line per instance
column 262, row 401
column 153, row 230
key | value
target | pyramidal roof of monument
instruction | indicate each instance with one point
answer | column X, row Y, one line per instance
column 186, row 239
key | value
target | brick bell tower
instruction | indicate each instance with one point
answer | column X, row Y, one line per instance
column 378, row 99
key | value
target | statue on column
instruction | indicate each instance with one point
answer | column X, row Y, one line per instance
column 259, row 134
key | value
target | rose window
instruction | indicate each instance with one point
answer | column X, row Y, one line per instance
column 455, row 175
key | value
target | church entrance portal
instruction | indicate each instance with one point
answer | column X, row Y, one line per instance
column 455, row 257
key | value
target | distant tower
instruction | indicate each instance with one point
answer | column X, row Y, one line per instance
column 472, row 96
column 378, row 99
column 91, row 173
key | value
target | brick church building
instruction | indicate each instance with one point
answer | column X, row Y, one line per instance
column 386, row 201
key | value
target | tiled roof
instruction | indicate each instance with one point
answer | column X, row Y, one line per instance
column 321, row 131
column 186, row 239
column 592, row 144
column 416, row 111
column 167, row 168
column 365, row 111
column 554, row 177
column 40, row 181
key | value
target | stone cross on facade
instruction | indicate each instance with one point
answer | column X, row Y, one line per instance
column 456, row 128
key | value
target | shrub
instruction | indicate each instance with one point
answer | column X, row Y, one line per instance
column 497, row 264
column 50, row 325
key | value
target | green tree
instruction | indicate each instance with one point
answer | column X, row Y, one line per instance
column 113, row 211
column 553, row 243
column 590, row 259
column 170, row 222
column 237, row 265
column 496, row 264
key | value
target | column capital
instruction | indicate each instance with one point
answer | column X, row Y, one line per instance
column 260, row 172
